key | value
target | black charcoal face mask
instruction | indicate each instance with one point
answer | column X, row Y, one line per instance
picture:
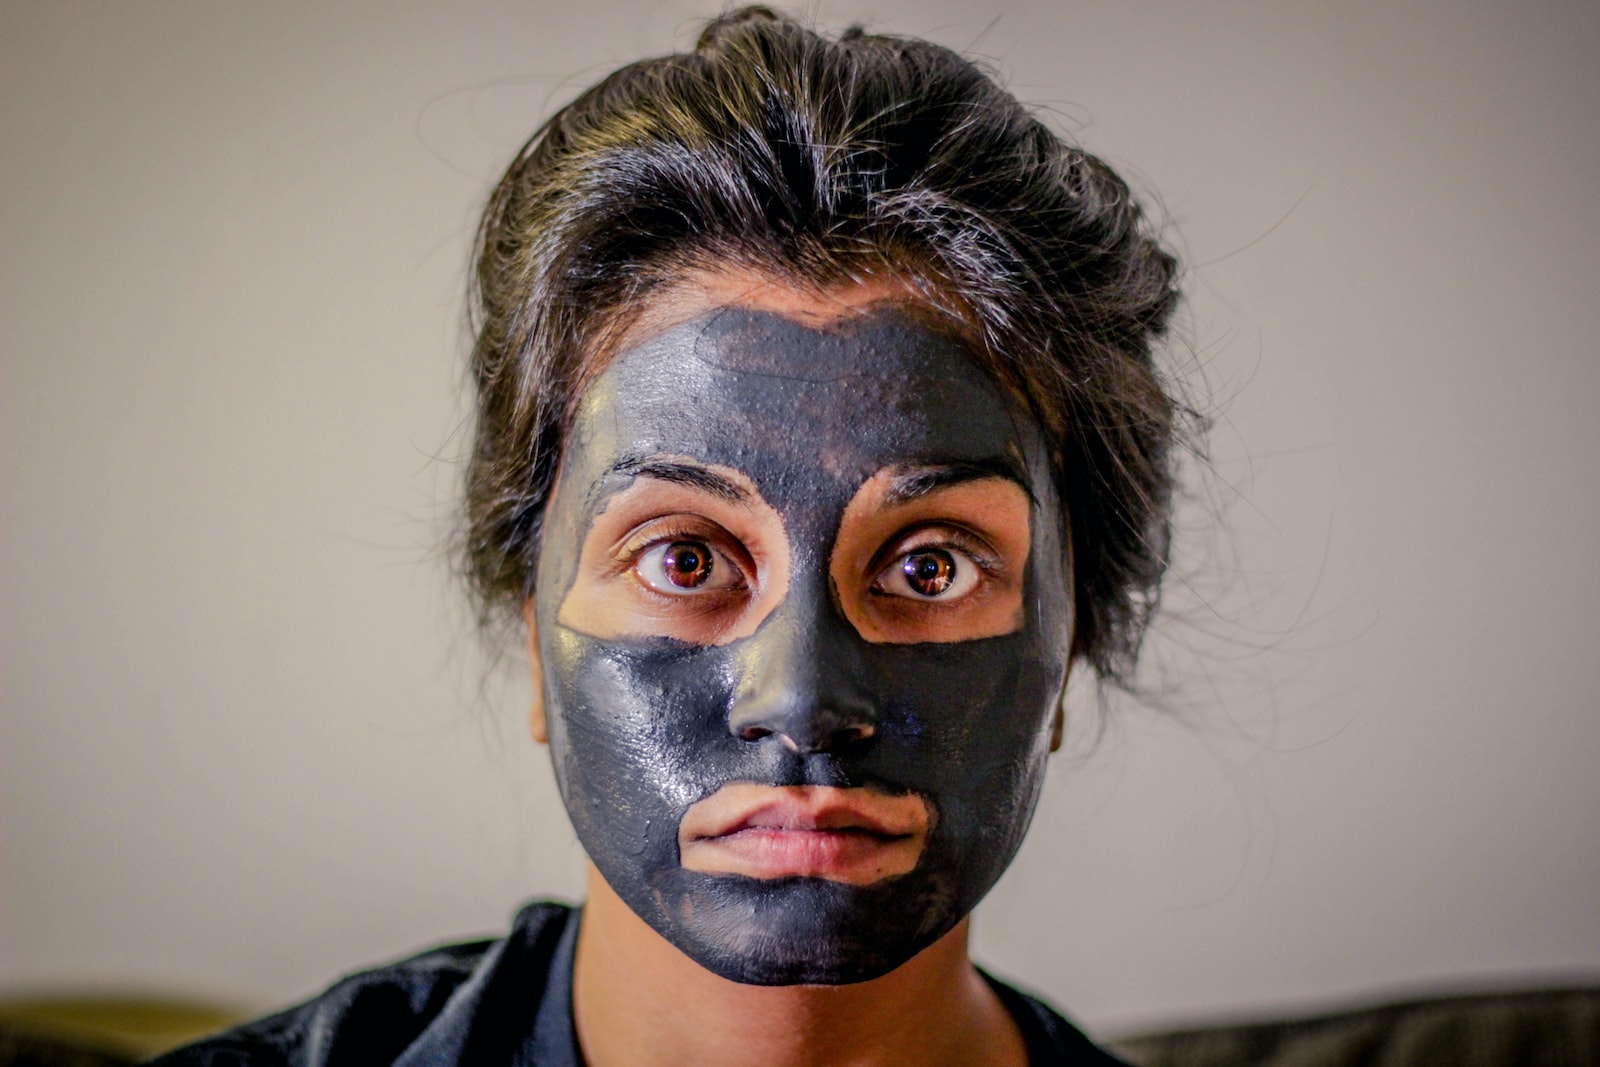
column 643, row 727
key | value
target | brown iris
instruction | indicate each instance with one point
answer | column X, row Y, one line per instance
column 929, row 572
column 687, row 564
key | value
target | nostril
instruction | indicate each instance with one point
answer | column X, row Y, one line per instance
column 851, row 734
column 834, row 741
column 806, row 735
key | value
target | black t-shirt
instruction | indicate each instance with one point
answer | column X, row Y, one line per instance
column 470, row 1004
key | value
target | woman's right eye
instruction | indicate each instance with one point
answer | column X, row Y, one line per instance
column 686, row 568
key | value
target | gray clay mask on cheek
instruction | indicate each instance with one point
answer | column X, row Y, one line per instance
column 642, row 728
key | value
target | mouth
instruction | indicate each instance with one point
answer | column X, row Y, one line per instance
column 855, row 836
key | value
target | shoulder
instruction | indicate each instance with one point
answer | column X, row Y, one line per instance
column 378, row 1016
column 1052, row 1041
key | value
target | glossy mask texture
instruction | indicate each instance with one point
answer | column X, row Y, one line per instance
column 643, row 727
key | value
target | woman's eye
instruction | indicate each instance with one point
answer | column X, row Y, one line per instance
column 684, row 568
column 929, row 574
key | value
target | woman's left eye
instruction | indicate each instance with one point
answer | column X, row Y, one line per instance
column 686, row 568
column 929, row 574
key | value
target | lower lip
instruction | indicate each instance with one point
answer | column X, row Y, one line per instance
column 856, row 857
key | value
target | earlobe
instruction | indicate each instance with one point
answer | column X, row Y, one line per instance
column 536, row 722
column 1058, row 725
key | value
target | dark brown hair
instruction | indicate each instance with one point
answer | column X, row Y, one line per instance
column 818, row 160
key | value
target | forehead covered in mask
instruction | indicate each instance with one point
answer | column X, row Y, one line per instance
column 644, row 726
column 808, row 414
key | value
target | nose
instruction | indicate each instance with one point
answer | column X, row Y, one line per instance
column 800, row 682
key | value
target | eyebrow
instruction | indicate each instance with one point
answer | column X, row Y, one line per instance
column 918, row 483
column 688, row 474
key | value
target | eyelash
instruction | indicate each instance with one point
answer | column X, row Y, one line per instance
column 637, row 549
column 966, row 547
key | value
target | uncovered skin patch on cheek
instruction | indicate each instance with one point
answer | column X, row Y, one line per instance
column 807, row 800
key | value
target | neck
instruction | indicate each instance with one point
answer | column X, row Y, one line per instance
column 639, row 1001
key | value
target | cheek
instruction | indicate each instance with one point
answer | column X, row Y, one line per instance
column 628, row 728
column 968, row 719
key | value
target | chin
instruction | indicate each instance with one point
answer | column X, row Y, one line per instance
column 803, row 931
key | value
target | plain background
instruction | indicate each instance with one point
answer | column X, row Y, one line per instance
column 251, row 741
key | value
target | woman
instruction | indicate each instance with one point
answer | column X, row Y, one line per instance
column 818, row 437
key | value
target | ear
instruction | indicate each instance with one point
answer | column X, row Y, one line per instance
column 536, row 724
column 1058, row 725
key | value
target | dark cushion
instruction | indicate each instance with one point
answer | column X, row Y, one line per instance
column 1552, row 1028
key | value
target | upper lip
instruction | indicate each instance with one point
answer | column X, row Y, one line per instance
column 749, row 806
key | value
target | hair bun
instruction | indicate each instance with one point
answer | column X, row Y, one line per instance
column 722, row 25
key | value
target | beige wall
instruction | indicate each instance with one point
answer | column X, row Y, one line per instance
column 245, row 745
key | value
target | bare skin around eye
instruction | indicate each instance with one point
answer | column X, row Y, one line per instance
column 854, row 836
column 659, row 523
column 945, row 565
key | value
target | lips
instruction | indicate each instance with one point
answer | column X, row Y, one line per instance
column 855, row 836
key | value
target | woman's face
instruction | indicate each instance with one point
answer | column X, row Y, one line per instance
column 803, row 610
